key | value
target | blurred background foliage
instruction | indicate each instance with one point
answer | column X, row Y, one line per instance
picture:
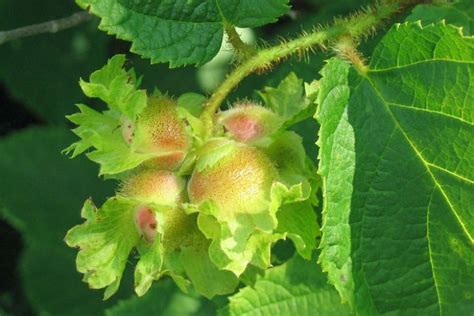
column 41, row 190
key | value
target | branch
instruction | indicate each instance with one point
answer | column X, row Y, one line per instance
column 356, row 26
column 45, row 27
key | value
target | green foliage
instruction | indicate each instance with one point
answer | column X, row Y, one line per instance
column 251, row 13
column 162, row 299
column 242, row 230
column 297, row 287
column 102, row 130
column 288, row 100
column 297, row 221
column 336, row 156
column 41, row 192
column 240, row 234
column 116, row 87
column 460, row 14
column 390, row 143
column 106, row 240
column 180, row 32
column 217, row 200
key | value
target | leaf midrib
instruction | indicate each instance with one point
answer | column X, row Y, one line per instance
column 413, row 108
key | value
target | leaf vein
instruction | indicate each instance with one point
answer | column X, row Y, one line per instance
column 420, row 63
column 425, row 163
column 430, row 252
column 431, row 111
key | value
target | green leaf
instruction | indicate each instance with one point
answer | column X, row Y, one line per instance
column 149, row 267
column 105, row 241
column 246, row 238
column 104, row 130
column 297, row 287
column 163, row 299
column 336, row 142
column 189, row 109
column 192, row 102
column 35, row 70
column 398, row 183
column 116, row 87
column 458, row 13
column 251, row 13
column 299, row 222
column 179, row 31
column 207, row 279
column 242, row 234
column 288, row 153
column 288, row 100
column 43, row 192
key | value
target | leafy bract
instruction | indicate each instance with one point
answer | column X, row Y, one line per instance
column 297, row 287
column 178, row 31
column 150, row 266
column 241, row 233
column 396, row 159
column 117, row 87
column 106, row 240
column 110, row 233
column 298, row 220
column 288, row 100
column 289, row 155
column 204, row 274
column 102, row 130
column 189, row 109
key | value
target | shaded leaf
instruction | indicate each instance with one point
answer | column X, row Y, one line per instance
column 163, row 299
column 207, row 279
column 251, row 13
column 43, row 192
column 288, row 100
column 299, row 222
column 458, row 13
column 178, row 31
column 297, row 287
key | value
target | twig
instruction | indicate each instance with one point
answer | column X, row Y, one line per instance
column 45, row 27
column 240, row 46
column 355, row 26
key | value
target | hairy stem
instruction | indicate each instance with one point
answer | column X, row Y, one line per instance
column 45, row 27
column 242, row 48
column 356, row 26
